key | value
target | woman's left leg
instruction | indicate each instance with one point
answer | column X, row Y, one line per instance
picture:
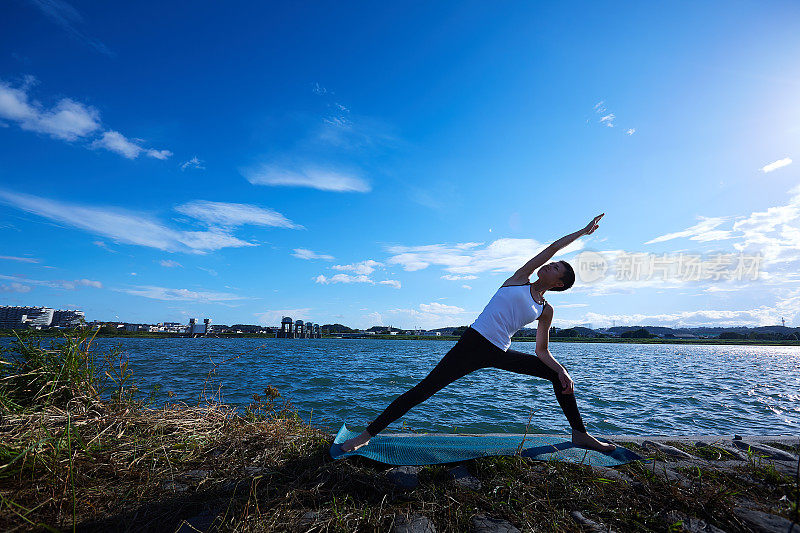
column 523, row 363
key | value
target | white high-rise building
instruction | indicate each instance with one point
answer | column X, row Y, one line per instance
column 17, row 317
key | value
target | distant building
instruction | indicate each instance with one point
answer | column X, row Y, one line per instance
column 68, row 318
column 21, row 317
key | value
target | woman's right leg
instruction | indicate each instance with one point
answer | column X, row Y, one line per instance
column 457, row 363
column 471, row 352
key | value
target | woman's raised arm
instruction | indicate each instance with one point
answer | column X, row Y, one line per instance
column 524, row 273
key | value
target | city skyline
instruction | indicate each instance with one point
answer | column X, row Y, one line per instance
column 374, row 165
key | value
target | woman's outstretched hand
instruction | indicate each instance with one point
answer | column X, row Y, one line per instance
column 591, row 226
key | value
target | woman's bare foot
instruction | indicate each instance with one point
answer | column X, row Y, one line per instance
column 584, row 440
column 356, row 442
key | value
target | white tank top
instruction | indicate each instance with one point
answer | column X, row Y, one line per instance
column 510, row 308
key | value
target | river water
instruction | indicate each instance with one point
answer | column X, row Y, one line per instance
column 620, row 388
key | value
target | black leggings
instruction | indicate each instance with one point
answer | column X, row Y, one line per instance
column 471, row 352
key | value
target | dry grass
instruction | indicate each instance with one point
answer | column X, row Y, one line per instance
column 102, row 459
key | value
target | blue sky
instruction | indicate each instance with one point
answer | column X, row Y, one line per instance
column 371, row 164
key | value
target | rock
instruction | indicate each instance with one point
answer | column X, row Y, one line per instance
column 201, row 522
column 174, row 485
column 763, row 449
column 765, row 522
column 590, row 525
column 416, row 523
column 463, row 478
column 485, row 524
column 404, row 476
column 309, row 517
column 690, row 524
column 610, row 473
column 733, row 451
column 668, row 450
column 196, row 474
column 669, row 474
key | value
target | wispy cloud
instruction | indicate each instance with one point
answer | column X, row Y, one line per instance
column 304, row 253
column 55, row 284
column 194, row 163
column 114, row 141
column 362, row 268
column 355, row 278
column 169, row 263
column 361, row 273
column 273, row 317
column 231, row 214
column 315, row 178
column 703, row 231
column 167, row 294
column 432, row 315
column 141, row 229
column 67, row 120
column 20, row 259
column 66, row 16
column 457, row 277
column 761, row 316
column 607, row 118
column 14, row 287
column 775, row 165
column 502, row 255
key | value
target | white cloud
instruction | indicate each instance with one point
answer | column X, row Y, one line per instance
column 356, row 278
column 169, row 263
column 67, row 120
column 304, row 253
column 631, row 131
column 273, row 317
column 433, row 315
column 361, row 272
column 231, row 215
column 15, row 287
column 703, row 231
column 456, row 277
column 343, row 278
column 55, row 284
column 123, row 226
column 364, row 267
column 315, row 178
column 468, row 287
column 114, row 141
column 775, row 165
column 193, row 163
column 167, row 294
column 20, row 259
column 608, row 120
column 502, row 255
column 761, row 316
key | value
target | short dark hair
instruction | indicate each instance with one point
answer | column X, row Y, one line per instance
column 568, row 277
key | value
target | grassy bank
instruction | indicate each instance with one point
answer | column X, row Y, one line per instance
column 83, row 448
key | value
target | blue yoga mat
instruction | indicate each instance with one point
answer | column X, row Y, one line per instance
column 435, row 448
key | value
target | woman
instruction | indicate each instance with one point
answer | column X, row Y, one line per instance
column 486, row 344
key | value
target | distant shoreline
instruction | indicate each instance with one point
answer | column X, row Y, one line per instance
column 618, row 340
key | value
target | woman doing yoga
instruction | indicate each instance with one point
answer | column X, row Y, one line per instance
column 486, row 344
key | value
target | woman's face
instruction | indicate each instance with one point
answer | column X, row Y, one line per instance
column 551, row 273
